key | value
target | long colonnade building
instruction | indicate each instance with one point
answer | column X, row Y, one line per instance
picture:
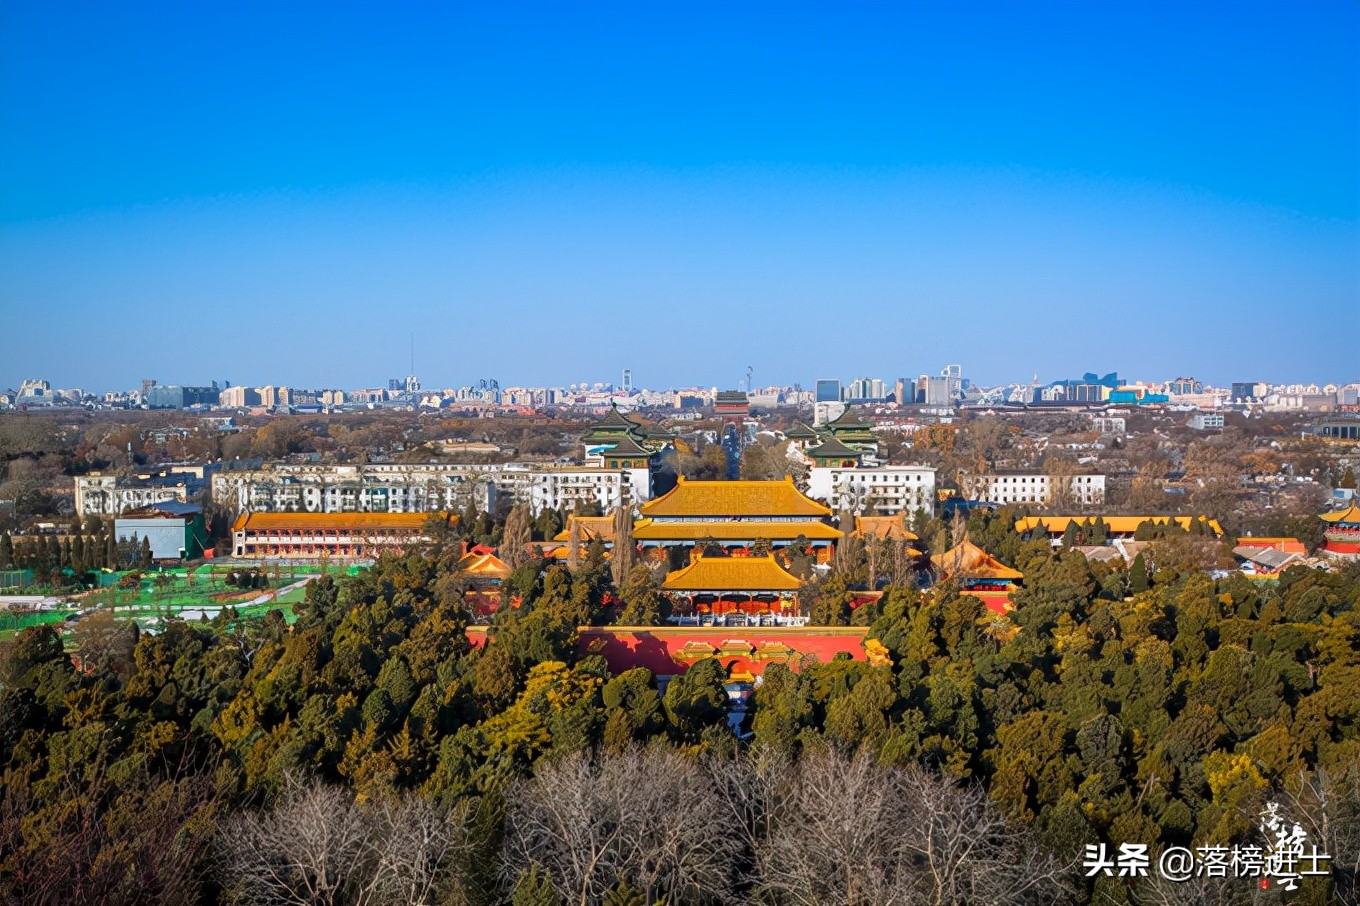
column 313, row 536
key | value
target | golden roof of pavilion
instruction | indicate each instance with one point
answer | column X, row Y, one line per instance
column 1349, row 515
column 742, row 499
column 733, row 530
column 591, row 528
column 966, row 560
column 893, row 528
column 484, row 566
column 748, row 574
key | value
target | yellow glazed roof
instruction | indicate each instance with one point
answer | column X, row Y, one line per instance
column 748, row 499
column 967, row 560
column 312, row 522
column 1056, row 525
column 732, row 574
column 893, row 527
column 592, row 527
column 1351, row 514
column 648, row 530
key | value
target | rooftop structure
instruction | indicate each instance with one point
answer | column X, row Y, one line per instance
column 979, row 573
column 722, row 585
column 1115, row 526
column 310, row 536
column 737, row 515
column 1342, row 533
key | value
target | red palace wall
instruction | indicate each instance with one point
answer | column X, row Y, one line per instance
column 668, row 650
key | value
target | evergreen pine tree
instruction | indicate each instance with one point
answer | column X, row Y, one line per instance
column 78, row 561
column 1138, row 575
column 67, row 556
column 534, row 888
column 110, row 552
column 144, row 559
column 1100, row 531
column 6, row 552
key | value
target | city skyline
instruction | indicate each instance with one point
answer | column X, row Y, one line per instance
column 271, row 195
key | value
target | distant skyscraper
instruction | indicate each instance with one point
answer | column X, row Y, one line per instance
column 828, row 390
column 627, row 380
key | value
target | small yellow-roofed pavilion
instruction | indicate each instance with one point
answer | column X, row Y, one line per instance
column 720, row 585
column 1341, row 530
column 979, row 573
column 892, row 528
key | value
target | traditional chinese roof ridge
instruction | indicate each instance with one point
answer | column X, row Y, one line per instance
column 591, row 528
column 626, row 447
column 340, row 521
column 731, row 396
column 800, row 431
column 744, row 499
column 1056, row 525
column 734, row 530
column 893, row 528
column 831, row 447
column 484, row 565
column 616, row 419
column 966, row 560
column 1348, row 515
column 847, row 421
column 732, row 574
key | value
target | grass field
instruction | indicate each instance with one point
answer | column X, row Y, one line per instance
column 191, row 594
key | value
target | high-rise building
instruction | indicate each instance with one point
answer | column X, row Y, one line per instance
column 828, row 390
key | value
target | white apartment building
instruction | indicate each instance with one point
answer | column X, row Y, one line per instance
column 878, row 490
column 1206, row 421
column 1082, row 490
column 424, row 487
column 563, row 487
column 107, row 495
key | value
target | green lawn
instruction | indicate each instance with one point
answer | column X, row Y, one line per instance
column 174, row 591
column 11, row 623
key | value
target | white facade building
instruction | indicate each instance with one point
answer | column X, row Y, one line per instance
column 425, row 487
column 107, row 495
column 1206, row 421
column 1082, row 490
column 879, row 490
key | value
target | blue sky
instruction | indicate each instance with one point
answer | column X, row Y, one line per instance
column 284, row 193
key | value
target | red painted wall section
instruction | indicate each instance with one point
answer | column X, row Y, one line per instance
column 667, row 650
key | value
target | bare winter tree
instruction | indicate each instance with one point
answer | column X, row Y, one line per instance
column 621, row 561
column 848, row 830
column 414, row 843
column 648, row 819
column 964, row 851
column 309, row 850
column 1327, row 807
column 519, row 528
column 832, row 829
column 319, row 847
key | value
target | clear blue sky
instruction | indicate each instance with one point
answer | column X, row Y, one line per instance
column 283, row 193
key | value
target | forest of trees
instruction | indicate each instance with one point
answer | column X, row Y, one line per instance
column 371, row 754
